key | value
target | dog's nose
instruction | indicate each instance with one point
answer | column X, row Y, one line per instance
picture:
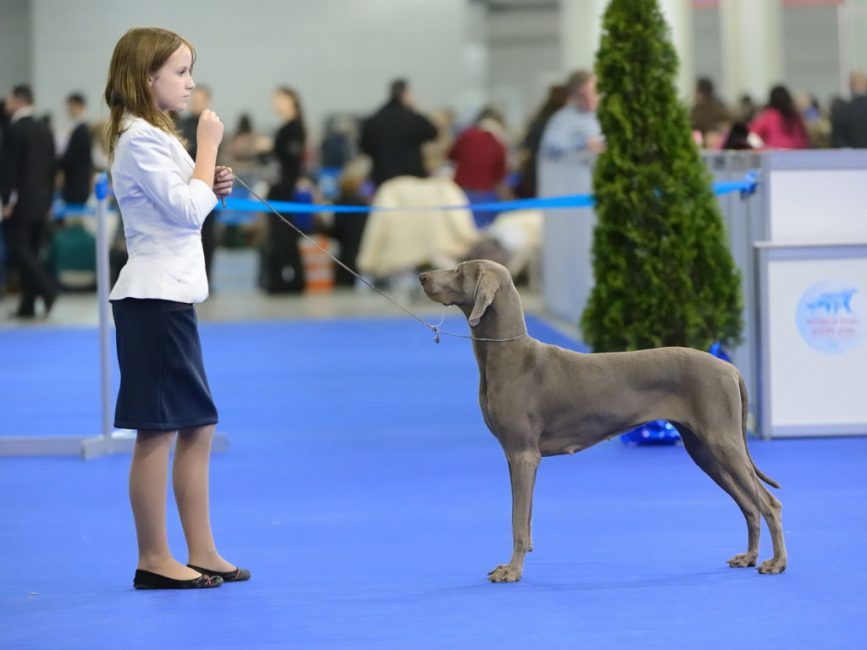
column 422, row 277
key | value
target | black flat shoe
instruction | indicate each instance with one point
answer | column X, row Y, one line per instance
column 235, row 575
column 49, row 303
column 148, row 580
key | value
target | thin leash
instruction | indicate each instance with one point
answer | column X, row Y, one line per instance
column 437, row 329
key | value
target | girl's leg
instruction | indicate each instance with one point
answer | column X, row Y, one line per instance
column 190, row 476
column 148, row 483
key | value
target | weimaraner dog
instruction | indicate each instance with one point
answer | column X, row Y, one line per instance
column 541, row 400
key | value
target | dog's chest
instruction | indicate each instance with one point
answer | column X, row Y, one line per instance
column 500, row 401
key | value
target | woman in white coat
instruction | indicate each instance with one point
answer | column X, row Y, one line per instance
column 164, row 197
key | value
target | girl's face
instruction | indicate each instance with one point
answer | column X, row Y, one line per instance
column 173, row 84
column 284, row 106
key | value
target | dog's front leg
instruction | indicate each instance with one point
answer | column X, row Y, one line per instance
column 522, row 470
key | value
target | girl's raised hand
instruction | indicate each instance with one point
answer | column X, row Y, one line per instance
column 210, row 129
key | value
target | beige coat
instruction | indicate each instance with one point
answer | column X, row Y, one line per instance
column 410, row 234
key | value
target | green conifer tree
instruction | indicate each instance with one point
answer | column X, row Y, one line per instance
column 663, row 272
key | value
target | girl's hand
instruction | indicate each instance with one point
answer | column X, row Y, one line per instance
column 209, row 130
column 223, row 178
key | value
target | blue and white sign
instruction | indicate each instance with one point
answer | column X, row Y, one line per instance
column 830, row 316
column 814, row 340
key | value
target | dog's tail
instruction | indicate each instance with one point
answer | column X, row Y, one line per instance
column 744, row 415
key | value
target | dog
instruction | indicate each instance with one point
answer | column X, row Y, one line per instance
column 541, row 400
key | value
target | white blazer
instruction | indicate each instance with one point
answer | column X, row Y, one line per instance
column 163, row 208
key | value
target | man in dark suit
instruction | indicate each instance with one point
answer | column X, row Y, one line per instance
column 393, row 136
column 4, row 122
column 76, row 163
column 26, row 186
column 849, row 120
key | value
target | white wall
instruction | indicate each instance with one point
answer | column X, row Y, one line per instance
column 15, row 55
column 707, row 46
column 811, row 57
column 523, row 59
column 340, row 54
column 810, row 51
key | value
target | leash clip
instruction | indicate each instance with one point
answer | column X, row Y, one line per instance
column 436, row 333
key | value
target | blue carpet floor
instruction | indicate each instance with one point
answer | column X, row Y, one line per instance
column 365, row 494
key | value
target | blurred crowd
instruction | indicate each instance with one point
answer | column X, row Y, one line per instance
column 398, row 155
column 785, row 121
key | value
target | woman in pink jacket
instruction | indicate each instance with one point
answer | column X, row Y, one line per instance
column 779, row 125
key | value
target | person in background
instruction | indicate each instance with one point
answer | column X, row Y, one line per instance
column 737, row 137
column 779, row 125
column 336, row 149
column 394, row 135
column 282, row 269
column 575, row 128
column 76, row 161
column 290, row 143
column 247, row 149
column 746, row 109
column 556, row 99
column 707, row 111
column 348, row 229
column 242, row 146
column 816, row 121
column 479, row 155
column 27, row 168
column 4, row 123
column 849, row 118
column 200, row 101
column 435, row 152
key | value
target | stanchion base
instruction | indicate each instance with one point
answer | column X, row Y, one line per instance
column 40, row 445
column 120, row 442
column 123, row 441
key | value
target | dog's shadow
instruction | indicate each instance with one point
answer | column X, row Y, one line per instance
column 539, row 584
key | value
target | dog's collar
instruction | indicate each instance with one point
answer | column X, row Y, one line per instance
column 487, row 340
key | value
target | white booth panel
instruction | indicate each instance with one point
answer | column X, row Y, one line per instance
column 814, row 340
column 818, row 205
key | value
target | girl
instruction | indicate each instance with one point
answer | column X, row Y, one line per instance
column 779, row 125
column 164, row 196
column 283, row 270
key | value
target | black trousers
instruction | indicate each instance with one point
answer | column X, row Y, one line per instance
column 209, row 241
column 23, row 242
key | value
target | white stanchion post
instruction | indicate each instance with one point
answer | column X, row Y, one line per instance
column 102, row 289
column 106, row 442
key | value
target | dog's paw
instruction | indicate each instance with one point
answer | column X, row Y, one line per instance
column 773, row 566
column 743, row 560
column 505, row 573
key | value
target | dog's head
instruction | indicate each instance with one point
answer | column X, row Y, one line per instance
column 472, row 286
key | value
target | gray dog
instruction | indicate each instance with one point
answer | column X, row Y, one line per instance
column 541, row 400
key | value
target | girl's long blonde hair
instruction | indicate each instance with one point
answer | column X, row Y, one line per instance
column 140, row 52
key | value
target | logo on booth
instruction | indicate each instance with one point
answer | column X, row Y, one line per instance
column 830, row 317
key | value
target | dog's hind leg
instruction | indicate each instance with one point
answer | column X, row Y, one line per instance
column 703, row 457
column 735, row 462
column 772, row 510
column 522, row 471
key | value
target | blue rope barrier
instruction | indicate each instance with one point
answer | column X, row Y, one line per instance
column 745, row 186
column 235, row 205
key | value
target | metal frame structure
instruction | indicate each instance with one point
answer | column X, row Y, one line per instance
column 108, row 441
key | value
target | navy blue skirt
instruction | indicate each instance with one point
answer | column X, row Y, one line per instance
column 163, row 386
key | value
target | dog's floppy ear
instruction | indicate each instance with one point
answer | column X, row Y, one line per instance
column 486, row 290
